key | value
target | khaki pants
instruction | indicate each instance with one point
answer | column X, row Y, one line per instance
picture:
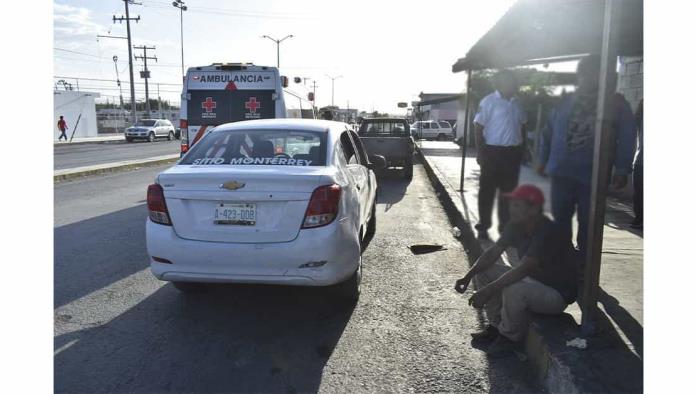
column 508, row 310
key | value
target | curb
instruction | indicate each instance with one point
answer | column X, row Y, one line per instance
column 72, row 173
column 550, row 371
column 102, row 141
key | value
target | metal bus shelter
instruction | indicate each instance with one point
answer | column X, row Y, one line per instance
column 547, row 31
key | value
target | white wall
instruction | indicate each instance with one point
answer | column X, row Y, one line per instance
column 70, row 104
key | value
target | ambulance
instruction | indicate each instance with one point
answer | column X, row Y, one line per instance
column 231, row 92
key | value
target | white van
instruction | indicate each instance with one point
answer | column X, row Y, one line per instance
column 228, row 92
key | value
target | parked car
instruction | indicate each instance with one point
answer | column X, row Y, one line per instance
column 390, row 138
column 150, row 129
column 273, row 201
column 431, row 129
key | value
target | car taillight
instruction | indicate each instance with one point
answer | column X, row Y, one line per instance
column 157, row 206
column 184, row 148
column 323, row 206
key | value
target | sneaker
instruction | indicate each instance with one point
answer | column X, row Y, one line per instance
column 489, row 334
column 502, row 347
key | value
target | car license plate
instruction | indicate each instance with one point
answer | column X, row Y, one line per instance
column 236, row 214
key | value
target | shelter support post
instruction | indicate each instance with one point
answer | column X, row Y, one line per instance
column 466, row 128
column 600, row 170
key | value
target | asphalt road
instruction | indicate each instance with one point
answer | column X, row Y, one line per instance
column 118, row 329
column 79, row 155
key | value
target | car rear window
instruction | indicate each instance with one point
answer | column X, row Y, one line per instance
column 259, row 147
column 384, row 128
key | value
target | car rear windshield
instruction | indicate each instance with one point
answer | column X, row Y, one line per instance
column 259, row 147
column 146, row 123
column 392, row 129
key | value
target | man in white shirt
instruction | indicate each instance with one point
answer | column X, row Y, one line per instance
column 500, row 139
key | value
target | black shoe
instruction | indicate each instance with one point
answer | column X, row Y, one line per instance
column 483, row 235
column 489, row 334
column 502, row 347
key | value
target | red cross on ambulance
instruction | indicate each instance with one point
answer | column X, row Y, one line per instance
column 209, row 104
column 252, row 105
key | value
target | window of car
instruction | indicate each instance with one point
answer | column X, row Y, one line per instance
column 433, row 125
column 146, row 123
column 349, row 150
column 385, row 128
column 259, row 147
column 444, row 124
column 426, row 125
column 362, row 153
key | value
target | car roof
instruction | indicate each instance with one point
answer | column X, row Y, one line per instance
column 317, row 125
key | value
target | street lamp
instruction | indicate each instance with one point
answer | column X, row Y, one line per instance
column 332, row 86
column 182, row 7
column 278, row 45
column 118, row 82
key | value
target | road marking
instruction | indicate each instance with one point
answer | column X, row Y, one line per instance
column 67, row 345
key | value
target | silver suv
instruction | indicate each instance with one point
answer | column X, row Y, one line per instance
column 150, row 129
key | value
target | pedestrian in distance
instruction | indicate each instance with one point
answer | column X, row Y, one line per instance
column 500, row 129
column 543, row 282
column 567, row 149
column 327, row 115
column 63, row 127
column 638, row 172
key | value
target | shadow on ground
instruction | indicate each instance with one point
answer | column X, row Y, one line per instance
column 239, row 338
column 92, row 254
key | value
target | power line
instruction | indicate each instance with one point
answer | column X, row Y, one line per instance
column 79, row 53
column 112, row 80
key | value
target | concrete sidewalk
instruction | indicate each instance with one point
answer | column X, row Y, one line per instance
column 86, row 140
column 613, row 360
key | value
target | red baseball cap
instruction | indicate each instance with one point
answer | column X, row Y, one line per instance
column 529, row 193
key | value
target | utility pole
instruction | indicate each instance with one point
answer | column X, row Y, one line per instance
column 118, row 82
column 332, row 86
column 278, row 46
column 159, row 103
column 181, row 5
column 146, row 73
column 127, row 18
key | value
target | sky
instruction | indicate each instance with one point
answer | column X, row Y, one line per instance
column 386, row 51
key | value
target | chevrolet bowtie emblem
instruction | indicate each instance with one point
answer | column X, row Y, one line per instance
column 232, row 185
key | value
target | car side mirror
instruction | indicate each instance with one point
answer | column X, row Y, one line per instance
column 377, row 162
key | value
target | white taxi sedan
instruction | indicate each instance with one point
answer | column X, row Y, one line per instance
column 275, row 201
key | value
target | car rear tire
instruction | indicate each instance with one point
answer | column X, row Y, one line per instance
column 151, row 137
column 408, row 169
column 189, row 287
column 371, row 226
column 170, row 136
column 441, row 137
column 349, row 290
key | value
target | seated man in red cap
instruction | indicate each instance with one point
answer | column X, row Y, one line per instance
column 543, row 282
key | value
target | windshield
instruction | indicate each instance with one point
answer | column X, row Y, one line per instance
column 146, row 123
column 259, row 147
column 395, row 128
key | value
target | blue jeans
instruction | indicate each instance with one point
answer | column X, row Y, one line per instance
column 567, row 197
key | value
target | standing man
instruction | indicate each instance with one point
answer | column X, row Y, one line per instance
column 543, row 282
column 500, row 139
column 638, row 173
column 62, row 126
column 567, row 149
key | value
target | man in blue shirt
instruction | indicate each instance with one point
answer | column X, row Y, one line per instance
column 567, row 149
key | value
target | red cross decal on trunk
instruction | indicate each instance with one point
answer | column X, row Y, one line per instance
column 252, row 105
column 209, row 104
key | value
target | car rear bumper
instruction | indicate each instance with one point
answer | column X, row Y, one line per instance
column 267, row 263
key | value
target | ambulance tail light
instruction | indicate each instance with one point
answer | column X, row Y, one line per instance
column 323, row 206
column 157, row 206
column 183, row 127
